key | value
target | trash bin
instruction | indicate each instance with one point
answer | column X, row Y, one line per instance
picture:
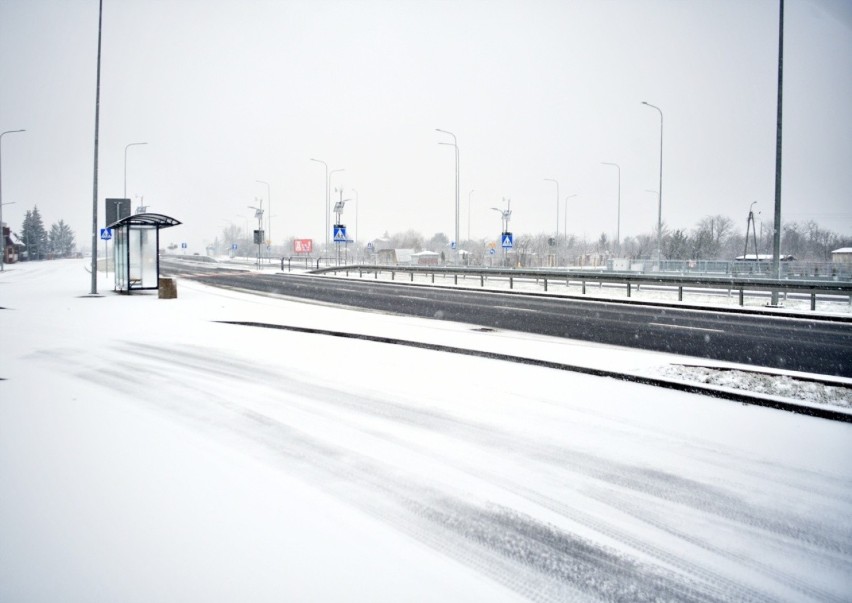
column 167, row 288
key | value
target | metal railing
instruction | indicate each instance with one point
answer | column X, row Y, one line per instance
column 630, row 280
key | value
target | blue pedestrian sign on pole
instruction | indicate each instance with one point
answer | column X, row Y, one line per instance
column 339, row 233
column 106, row 234
column 233, row 246
column 453, row 245
column 508, row 240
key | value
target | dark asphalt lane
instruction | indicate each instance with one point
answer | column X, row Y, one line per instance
column 808, row 345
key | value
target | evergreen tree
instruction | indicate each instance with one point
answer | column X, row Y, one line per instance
column 61, row 239
column 34, row 235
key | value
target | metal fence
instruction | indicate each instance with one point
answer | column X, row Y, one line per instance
column 631, row 281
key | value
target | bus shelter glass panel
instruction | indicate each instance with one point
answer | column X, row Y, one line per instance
column 143, row 269
column 120, row 258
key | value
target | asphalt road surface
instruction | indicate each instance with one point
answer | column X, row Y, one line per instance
column 810, row 345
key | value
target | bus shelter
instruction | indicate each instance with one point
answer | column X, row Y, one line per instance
column 136, row 250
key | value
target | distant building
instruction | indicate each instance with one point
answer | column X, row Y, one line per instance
column 10, row 251
column 425, row 258
column 842, row 256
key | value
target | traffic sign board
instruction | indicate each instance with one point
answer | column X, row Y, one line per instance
column 508, row 240
column 106, row 234
column 339, row 233
column 234, row 246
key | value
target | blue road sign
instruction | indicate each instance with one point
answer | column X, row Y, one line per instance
column 234, row 246
column 453, row 245
column 106, row 234
column 339, row 233
column 183, row 245
column 492, row 251
column 508, row 240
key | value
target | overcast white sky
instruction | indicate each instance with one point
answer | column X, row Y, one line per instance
column 229, row 92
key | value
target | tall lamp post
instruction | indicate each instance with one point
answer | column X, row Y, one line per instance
column 328, row 206
column 132, row 144
column 618, row 223
column 468, row 213
column 326, row 198
column 2, row 232
column 556, row 240
column 660, row 189
column 355, row 237
column 269, row 209
column 565, row 214
column 456, row 145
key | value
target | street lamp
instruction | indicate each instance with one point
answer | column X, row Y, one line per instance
column 506, row 215
column 660, row 189
column 3, row 232
column 258, row 213
column 355, row 237
column 132, row 144
column 556, row 240
column 468, row 214
column 328, row 207
column 455, row 144
column 565, row 214
column 269, row 209
column 325, row 226
column 618, row 224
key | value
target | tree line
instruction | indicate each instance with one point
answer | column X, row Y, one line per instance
column 38, row 243
column 714, row 237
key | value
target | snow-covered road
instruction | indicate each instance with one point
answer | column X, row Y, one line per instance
column 148, row 453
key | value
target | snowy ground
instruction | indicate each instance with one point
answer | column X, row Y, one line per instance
column 150, row 453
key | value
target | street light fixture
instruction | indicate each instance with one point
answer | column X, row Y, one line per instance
column 556, row 240
column 618, row 224
column 328, row 207
column 660, row 189
column 269, row 209
column 132, row 144
column 2, row 232
column 565, row 214
column 468, row 213
column 456, row 145
column 325, row 226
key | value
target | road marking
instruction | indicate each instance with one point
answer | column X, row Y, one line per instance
column 660, row 324
column 517, row 309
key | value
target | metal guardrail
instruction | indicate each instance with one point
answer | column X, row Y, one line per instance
column 812, row 287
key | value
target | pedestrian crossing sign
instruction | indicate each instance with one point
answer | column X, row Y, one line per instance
column 339, row 233
column 508, row 240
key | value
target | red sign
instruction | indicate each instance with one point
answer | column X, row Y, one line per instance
column 303, row 245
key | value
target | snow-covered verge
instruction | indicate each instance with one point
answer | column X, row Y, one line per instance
column 782, row 386
column 149, row 452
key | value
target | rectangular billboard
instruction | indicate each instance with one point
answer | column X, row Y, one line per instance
column 303, row 245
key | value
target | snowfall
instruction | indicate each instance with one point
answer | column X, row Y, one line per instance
column 153, row 450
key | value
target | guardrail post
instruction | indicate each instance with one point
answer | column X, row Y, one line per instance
column 813, row 302
column 377, row 274
column 412, row 277
column 511, row 282
column 680, row 294
column 393, row 275
column 629, row 289
column 545, row 283
column 455, row 279
column 584, row 287
column 481, row 280
column 742, row 297
column 433, row 278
